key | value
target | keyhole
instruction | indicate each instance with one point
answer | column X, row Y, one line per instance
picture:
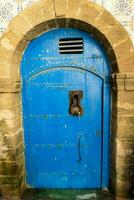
column 75, row 99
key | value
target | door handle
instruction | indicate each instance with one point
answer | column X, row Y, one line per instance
column 79, row 152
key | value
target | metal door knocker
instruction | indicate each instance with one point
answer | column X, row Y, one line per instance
column 75, row 107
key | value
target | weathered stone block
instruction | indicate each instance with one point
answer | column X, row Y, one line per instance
column 8, row 168
column 106, row 22
column 22, row 183
column 124, row 127
column 124, row 169
column 13, row 154
column 10, row 192
column 9, row 113
column 20, row 28
column 126, row 64
column 118, row 84
column 130, row 76
column 125, row 149
column 52, row 24
column 9, row 85
column 84, row 26
column 73, row 8
column 6, row 53
column 116, row 34
column 123, row 48
column 90, row 12
column 60, row 7
column 129, row 84
column 10, row 58
column 22, row 176
column 8, row 180
column 9, row 100
column 10, row 126
column 61, row 22
column 121, row 82
column 118, row 76
column 123, row 164
column 38, row 13
column 21, row 163
column 125, row 103
column 11, row 40
column 124, row 190
column 12, row 140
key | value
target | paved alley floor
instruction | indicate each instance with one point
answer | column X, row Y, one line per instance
column 31, row 194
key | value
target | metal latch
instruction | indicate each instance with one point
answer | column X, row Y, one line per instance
column 75, row 107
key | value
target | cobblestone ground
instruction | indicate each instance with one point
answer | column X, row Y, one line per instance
column 67, row 195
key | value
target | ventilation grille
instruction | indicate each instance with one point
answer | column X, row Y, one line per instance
column 71, row 45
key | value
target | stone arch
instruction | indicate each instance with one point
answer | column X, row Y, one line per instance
column 29, row 24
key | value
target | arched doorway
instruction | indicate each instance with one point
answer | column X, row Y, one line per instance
column 29, row 24
column 66, row 111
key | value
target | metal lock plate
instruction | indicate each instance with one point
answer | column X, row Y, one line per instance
column 75, row 107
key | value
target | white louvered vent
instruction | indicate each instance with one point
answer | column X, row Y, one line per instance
column 71, row 45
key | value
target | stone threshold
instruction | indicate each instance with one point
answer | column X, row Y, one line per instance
column 66, row 194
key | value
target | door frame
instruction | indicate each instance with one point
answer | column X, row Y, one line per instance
column 106, row 137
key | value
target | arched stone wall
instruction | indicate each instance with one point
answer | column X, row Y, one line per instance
column 35, row 20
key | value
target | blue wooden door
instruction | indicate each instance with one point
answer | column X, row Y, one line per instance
column 64, row 149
